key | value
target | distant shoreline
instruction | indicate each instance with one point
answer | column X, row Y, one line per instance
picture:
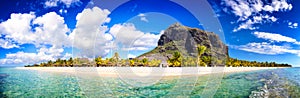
column 147, row 71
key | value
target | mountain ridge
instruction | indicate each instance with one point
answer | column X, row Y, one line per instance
column 185, row 40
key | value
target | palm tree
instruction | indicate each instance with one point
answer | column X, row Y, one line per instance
column 116, row 59
column 70, row 61
column 145, row 62
column 99, row 61
column 57, row 62
column 175, row 61
column 205, row 60
column 201, row 50
column 177, row 58
column 49, row 63
column 131, row 62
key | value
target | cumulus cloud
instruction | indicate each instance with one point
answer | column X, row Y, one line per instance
column 67, row 3
column 89, row 35
column 249, row 11
column 125, row 33
column 132, row 39
column 48, row 29
column 267, row 48
column 51, row 29
column 148, row 39
column 44, row 31
column 18, row 28
column 42, row 55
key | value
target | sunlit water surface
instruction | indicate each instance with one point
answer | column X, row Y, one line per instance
column 16, row 83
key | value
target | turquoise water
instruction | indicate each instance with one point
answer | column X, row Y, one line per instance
column 16, row 83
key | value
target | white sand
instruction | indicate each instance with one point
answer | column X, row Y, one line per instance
column 145, row 71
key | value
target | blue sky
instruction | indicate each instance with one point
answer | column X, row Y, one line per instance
column 33, row 31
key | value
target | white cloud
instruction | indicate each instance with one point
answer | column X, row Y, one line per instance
column 274, row 37
column 135, row 48
column 43, row 55
column 51, row 3
column 262, row 48
column 6, row 44
column 61, row 11
column 244, row 9
column 249, row 24
column 125, row 33
column 267, row 48
column 48, row 29
column 89, row 35
column 270, row 48
column 143, row 17
column 248, row 10
column 268, row 8
column 51, row 30
column 67, row 56
column 53, row 51
column 108, row 36
column 67, row 3
column 240, row 8
column 148, row 39
column 293, row 25
column 132, row 39
column 18, row 28
column 281, row 5
column 131, row 56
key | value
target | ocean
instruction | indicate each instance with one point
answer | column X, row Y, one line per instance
column 16, row 83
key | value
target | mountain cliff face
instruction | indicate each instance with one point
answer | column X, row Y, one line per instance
column 185, row 40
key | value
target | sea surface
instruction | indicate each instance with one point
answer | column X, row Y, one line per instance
column 17, row 83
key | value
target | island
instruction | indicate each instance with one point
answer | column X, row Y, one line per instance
column 178, row 46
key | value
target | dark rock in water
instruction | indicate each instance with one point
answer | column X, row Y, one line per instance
column 185, row 40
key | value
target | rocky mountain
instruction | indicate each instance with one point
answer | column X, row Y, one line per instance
column 185, row 40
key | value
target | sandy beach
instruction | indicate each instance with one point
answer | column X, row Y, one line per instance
column 146, row 71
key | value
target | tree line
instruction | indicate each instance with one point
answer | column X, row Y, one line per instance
column 115, row 60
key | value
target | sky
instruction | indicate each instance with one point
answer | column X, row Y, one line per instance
column 34, row 31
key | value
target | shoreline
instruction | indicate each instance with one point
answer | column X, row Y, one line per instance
column 147, row 71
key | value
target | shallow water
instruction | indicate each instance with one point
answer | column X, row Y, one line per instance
column 30, row 83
